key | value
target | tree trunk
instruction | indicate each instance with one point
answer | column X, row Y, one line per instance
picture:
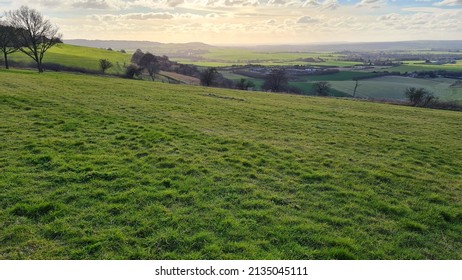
column 356, row 87
column 40, row 66
column 6, row 60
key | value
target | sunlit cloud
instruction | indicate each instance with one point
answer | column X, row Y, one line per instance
column 251, row 21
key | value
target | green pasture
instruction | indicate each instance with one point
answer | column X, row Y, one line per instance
column 236, row 77
column 229, row 54
column 412, row 66
column 207, row 63
column 224, row 57
column 107, row 168
column 204, row 63
column 393, row 87
column 340, row 76
column 83, row 57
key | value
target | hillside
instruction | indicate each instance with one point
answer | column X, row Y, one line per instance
column 107, row 168
column 77, row 56
column 393, row 87
column 154, row 47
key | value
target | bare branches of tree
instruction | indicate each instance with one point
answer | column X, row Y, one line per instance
column 35, row 34
column 276, row 81
column 208, row 76
column 7, row 41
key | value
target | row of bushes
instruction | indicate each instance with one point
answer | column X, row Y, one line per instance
column 51, row 67
column 420, row 97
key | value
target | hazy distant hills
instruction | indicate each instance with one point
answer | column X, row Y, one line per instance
column 171, row 48
column 455, row 45
column 156, row 47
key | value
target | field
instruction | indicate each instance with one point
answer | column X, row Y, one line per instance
column 106, row 168
column 229, row 57
column 393, row 87
column 76, row 56
column 411, row 66
column 305, row 83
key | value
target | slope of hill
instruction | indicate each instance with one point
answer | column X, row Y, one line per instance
column 154, row 47
column 106, row 168
column 393, row 87
column 77, row 56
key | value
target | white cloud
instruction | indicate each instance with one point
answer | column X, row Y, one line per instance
column 269, row 20
column 306, row 20
column 92, row 4
column 147, row 16
column 449, row 3
column 374, row 4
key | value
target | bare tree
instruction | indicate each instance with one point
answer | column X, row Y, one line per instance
column 7, row 41
column 35, row 34
column 208, row 76
column 356, row 87
column 105, row 64
column 276, row 80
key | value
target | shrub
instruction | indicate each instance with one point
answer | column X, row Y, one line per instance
column 419, row 96
column 132, row 70
column 322, row 88
column 105, row 64
column 244, row 84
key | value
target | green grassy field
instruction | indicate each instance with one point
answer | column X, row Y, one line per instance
column 340, row 76
column 305, row 83
column 411, row 66
column 236, row 77
column 228, row 54
column 106, row 168
column 393, row 87
column 76, row 56
column 223, row 57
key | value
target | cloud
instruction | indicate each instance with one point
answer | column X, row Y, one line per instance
column 148, row 16
column 92, row 4
column 174, row 3
column 439, row 21
column 331, row 4
column 306, row 20
column 308, row 3
column 232, row 3
column 449, row 3
column 50, row 3
column 374, row 4
column 326, row 5
column 223, row 3
column 390, row 17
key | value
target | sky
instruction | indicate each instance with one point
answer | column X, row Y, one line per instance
column 251, row 22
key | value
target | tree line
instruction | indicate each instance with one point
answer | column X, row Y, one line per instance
column 27, row 31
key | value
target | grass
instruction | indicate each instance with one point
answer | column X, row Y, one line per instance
column 237, row 77
column 225, row 57
column 106, row 168
column 393, row 87
column 76, row 56
column 305, row 83
column 340, row 76
column 237, row 55
column 413, row 66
